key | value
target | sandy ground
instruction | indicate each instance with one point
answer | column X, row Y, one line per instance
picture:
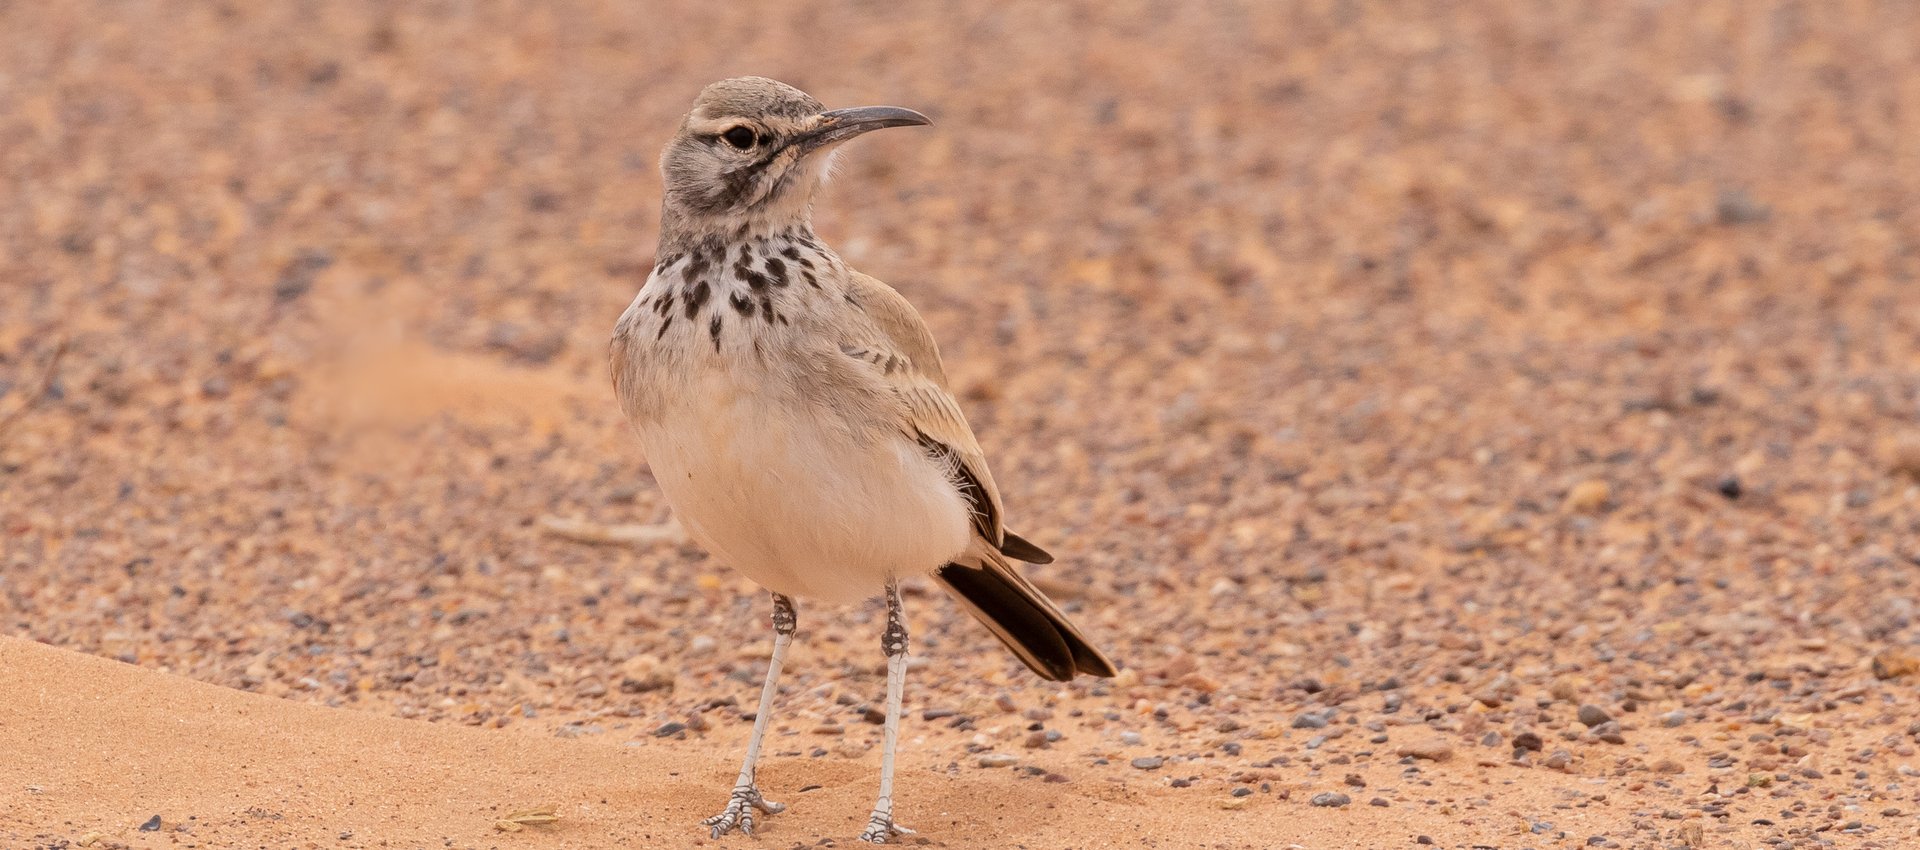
column 1492, row 422
column 98, row 747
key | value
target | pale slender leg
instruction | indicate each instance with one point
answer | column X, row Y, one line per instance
column 746, row 795
column 880, row 826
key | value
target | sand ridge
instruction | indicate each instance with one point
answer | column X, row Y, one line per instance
column 99, row 747
column 1492, row 421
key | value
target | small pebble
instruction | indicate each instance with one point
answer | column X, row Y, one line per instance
column 1588, row 496
column 1432, row 749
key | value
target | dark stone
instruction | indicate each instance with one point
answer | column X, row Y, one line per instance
column 1730, row 487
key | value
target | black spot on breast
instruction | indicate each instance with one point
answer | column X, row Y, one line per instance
column 697, row 265
column 665, row 262
column 713, row 330
column 766, row 308
column 744, row 269
column 664, row 306
column 777, row 271
column 790, row 252
column 696, row 297
column 807, row 274
column 742, row 305
column 665, row 322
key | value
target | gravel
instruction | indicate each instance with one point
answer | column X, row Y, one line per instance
column 1405, row 348
column 1331, row 799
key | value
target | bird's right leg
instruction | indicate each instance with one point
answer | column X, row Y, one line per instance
column 746, row 795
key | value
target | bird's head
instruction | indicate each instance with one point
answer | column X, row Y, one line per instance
column 753, row 150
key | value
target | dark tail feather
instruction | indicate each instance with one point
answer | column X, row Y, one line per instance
column 1018, row 548
column 1025, row 620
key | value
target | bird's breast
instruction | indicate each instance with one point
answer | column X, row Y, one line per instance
column 776, row 453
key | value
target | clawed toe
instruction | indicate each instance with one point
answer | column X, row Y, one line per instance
column 881, row 829
column 739, row 811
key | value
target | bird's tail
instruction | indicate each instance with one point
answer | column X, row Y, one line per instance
column 1022, row 617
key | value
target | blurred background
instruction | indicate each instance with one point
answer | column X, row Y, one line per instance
column 1433, row 360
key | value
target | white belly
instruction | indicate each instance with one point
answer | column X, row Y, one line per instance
column 797, row 504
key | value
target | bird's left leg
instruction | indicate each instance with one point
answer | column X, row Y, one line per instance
column 746, row 794
column 880, row 826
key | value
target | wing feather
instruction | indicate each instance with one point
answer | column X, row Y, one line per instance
column 904, row 355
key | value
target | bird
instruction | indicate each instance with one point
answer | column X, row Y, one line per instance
column 798, row 418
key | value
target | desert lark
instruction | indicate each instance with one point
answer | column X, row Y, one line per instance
column 796, row 413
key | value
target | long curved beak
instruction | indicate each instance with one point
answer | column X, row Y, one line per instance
column 838, row 125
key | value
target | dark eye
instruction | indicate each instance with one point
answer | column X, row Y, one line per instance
column 740, row 137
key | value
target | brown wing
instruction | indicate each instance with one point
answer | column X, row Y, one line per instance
column 990, row 588
column 903, row 351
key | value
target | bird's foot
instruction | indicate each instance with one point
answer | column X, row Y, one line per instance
column 739, row 811
column 881, row 829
